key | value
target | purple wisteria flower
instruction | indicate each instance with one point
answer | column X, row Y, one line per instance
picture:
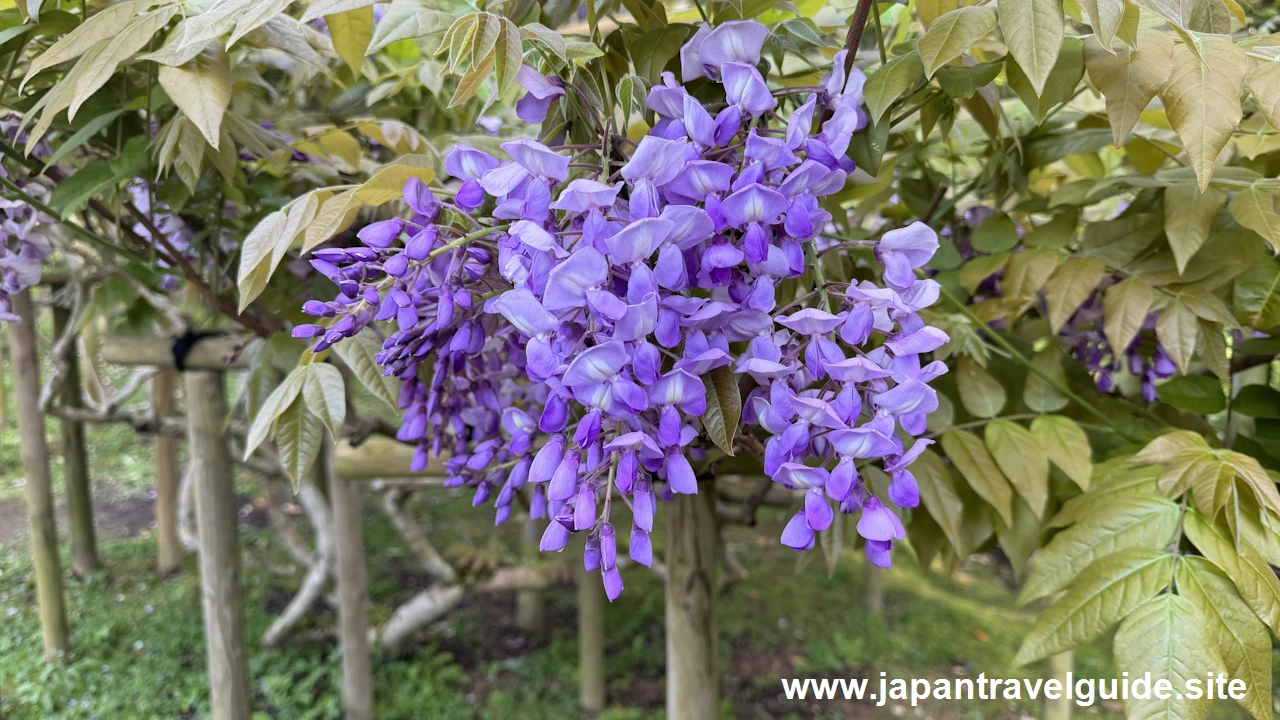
column 24, row 231
column 552, row 325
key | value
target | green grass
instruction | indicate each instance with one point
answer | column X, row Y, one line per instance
column 138, row 650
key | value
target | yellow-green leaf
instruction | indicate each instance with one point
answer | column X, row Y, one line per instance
column 325, row 395
column 938, row 495
column 952, row 34
column 103, row 59
column 1240, row 638
column 275, row 404
column 1244, row 565
column 982, row 395
column 1202, row 99
column 973, row 272
column 299, row 435
column 1022, row 461
column 360, row 353
column 1166, row 447
column 1108, row 590
column 1188, row 215
column 1129, row 78
column 388, row 183
column 1067, row 447
column 202, row 90
column 1033, row 31
column 1166, row 638
column 1105, row 16
column 1255, row 208
column 1072, row 283
column 351, row 32
column 1025, row 276
column 1038, row 394
column 1141, row 521
column 968, row 453
column 1060, row 84
column 1178, row 330
column 106, row 23
column 1264, row 83
column 1125, row 306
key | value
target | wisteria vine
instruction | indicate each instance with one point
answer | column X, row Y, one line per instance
column 554, row 320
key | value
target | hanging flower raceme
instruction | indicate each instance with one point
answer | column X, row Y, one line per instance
column 553, row 324
column 24, row 231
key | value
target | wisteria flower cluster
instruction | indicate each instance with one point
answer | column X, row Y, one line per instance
column 554, row 321
column 24, row 244
column 1145, row 357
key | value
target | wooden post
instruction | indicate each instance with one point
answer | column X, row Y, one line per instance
column 353, row 600
column 873, row 589
column 693, row 664
column 168, row 543
column 219, row 546
column 530, row 612
column 75, row 462
column 1059, row 666
column 35, row 462
column 590, row 642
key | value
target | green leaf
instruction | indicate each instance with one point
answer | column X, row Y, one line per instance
column 351, row 32
column 1188, row 215
column 1143, row 521
column 1067, row 447
column 1178, row 330
column 1033, row 31
column 255, row 253
column 1255, row 208
column 202, row 90
column 952, row 34
column 1129, row 78
column 1104, row 491
column 982, row 395
column 1166, row 638
column 1239, row 637
column 1257, row 401
column 1166, row 447
column 102, row 59
column 1021, row 540
column 325, row 395
column 653, row 50
column 91, row 128
column 546, row 37
column 106, row 23
column 975, row 271
column 1256, row 295
column 321, row 8
column 1202, row 99
column 1125, row 306
column 888, row 82
column 724, row 407
column 275, row 404
column 1022, row 461
column 866, row 148
column 961, row 81
column 1194, row 393
column 1247, row 569
column 1072, row 283
column 996, row 234
column 299, row 435
column 938, row 495
column 1264, row 83
column 360, row 353
column 1105, row 16
column 410, row 19
column 1039, row 395
column 1059, row 86
column 1107, row 591
column 508, row 55
column 969, row 454
column 74, row 193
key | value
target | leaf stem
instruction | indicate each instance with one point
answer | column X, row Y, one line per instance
column 464, row 240
column 1021, row 359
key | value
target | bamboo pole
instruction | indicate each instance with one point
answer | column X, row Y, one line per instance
column 590, row 642
column 75, row 462
column 219, row 547
column 168, row 541
column 530, row 608
column 1059, row 667
column 39, row 489
column 353, row 599
column 693, row 664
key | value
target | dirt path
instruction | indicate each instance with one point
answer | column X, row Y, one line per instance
column 114, row 517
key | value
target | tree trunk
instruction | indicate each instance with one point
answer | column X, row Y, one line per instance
column 168, row 542
column 693, row 666
column 219, row 547
column 75, row 462
column 590, row 642
column 1059, row 666
column 39, row 490
column 873, row 589
column 530, row 613
column 353, row 600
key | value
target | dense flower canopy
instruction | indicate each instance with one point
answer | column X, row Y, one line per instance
column 24, row 244
column 554, row 323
